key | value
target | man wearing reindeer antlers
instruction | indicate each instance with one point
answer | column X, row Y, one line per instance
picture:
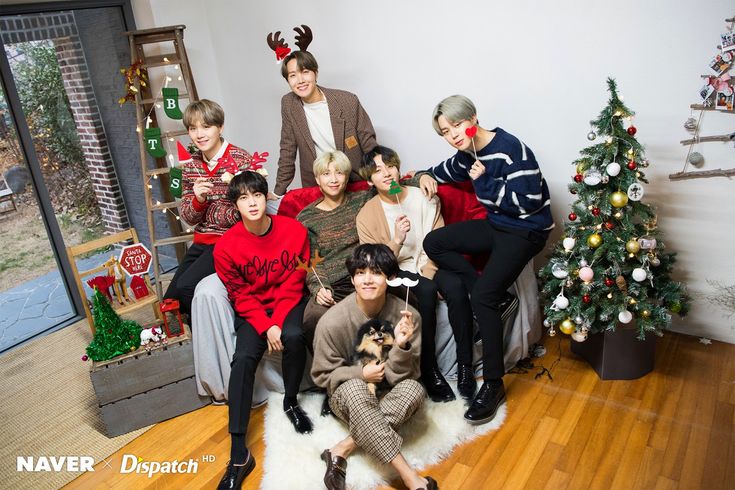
column 314, row 119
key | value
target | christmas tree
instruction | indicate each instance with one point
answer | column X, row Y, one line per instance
column 609, row 267
column 113, row 335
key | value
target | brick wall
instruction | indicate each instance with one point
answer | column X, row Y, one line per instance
column 60, row 27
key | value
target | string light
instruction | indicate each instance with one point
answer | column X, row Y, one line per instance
column 609, row 295
column 137, row 129
column 165, row 59
column 609, row 140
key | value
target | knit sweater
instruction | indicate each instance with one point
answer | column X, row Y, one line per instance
column 334, row 235
column 512, row 188
column 425, row 216
column 260, row 272
column 216, row 215
column 336, row 337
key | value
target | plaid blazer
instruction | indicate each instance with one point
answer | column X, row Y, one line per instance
column 353, row 134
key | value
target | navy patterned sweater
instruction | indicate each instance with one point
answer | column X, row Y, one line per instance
column 512, row 188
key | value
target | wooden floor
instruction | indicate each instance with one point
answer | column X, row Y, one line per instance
column 670, row 429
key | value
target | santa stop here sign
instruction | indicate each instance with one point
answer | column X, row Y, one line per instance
column 135, row 259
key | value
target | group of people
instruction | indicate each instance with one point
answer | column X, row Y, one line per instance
column 365, row 238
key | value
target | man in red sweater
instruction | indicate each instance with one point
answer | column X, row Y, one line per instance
column 257, row 260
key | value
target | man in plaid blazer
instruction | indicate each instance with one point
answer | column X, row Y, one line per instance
column 315, row 120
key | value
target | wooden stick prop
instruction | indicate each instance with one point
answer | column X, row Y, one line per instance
column 405, row 281
column 471, row 132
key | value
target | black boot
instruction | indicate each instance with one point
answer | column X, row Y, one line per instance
column 326, row 409
column 486, row 402
column 436, row 386
column 300, row 421
column 466, row 382
column 235, row 475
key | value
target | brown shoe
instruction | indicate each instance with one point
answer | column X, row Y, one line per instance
column 334, row 477
column 431, row 484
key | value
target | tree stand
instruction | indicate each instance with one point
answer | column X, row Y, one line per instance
column 618, row 354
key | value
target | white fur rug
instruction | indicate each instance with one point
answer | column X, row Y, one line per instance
column 292, row 460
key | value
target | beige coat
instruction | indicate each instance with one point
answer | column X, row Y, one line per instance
column 372, row 227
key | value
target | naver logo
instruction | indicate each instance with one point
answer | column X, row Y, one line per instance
column 55, row 463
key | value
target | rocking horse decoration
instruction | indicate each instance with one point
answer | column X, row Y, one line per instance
column 280, row 47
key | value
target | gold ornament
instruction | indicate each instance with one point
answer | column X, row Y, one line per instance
column 632, row 301
column 645, row 313
column 595, row 240
column 567, row 326
column 633, row 246
column 618, row 199
column 581, row 166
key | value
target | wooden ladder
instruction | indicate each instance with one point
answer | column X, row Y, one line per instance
column 145, row 100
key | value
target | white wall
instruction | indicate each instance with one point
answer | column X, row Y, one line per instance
column 537, row 69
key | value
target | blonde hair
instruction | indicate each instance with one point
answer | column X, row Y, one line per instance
column 208, row 112
column 455, row 108
column 340, row 160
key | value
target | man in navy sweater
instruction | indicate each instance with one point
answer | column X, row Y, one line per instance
column 508, row 182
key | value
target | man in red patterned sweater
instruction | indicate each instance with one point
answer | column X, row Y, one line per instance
column 204, row 203
column 258, row 261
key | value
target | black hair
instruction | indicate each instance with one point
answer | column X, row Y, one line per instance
column 304, row 61
column 367, row 166
column 245, row 182
column 376, row 257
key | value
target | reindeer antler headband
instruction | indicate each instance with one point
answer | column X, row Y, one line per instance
column 280, row 46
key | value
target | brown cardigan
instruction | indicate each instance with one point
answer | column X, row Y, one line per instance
column 372, row 227
column 353, row 134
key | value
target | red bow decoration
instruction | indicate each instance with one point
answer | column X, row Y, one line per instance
column 226, row 162
column 471, row 131
column 282, row 52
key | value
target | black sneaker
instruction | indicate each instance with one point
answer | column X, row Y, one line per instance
column 235, row 475
column 486, row 403
column 466, row 382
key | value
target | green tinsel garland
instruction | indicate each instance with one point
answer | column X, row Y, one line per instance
column 113, row 336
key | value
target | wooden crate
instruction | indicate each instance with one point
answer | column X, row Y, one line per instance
column 142, row 388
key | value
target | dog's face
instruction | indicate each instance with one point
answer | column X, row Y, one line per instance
column 374, row 337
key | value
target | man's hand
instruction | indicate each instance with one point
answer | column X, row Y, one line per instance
column 373, row 372
column 273, row 336
column 201, row 188
column 428, row 185
column 404, row 329
column 324, row 297
column 401, row 229
column 477, row 170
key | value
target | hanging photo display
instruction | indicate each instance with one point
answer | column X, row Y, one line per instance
column 635, row 191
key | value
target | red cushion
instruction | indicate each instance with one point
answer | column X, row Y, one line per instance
column 458, row 201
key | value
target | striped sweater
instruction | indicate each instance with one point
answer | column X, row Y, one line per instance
column 512, row 188
column 216, row 215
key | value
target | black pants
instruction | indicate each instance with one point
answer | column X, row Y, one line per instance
column 249, row 349
column 509, row 254
column 197, row 264
column 460, row 315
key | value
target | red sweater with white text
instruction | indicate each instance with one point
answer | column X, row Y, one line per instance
column 260, row 272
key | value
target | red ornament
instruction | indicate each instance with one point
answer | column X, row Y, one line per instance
column 609, row 282
column 586, row 298
column 85, row 358
column 471, row 131
column 572, row 217
column 632, row 130
column 632, row 165
column 578, row 178
column 595, row 211
column 609, row 225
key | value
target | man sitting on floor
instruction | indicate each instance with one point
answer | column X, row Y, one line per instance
column 373, row 420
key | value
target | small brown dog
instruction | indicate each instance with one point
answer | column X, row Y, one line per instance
column 374, row 340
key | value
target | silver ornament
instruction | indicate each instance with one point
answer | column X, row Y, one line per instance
column 583, row 263
column 592, row 177
column 578, row 320
column 547, row 323
column 696, row 159
column 591, row 135
column 690, row 124
column 655, row 262
column 559, row 270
